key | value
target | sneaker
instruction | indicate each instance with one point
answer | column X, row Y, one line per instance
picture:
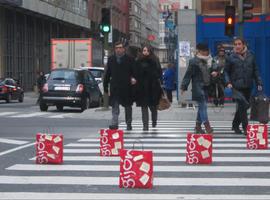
column 113, row 127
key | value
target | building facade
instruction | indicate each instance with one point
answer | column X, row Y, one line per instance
column 26, row 29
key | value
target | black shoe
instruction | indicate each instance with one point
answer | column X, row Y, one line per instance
column 154, row 124
column 113, row 127
column 145, row 128
column 237, row 130
column 129, row 127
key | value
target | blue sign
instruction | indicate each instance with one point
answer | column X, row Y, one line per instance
column 169, row 24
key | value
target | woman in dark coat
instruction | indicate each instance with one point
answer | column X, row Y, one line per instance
column 148, row 75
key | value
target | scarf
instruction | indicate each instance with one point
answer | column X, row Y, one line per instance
column 242, row 55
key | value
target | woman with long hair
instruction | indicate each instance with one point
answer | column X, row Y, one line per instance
column 148, row 75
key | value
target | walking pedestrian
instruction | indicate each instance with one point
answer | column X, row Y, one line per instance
column 240, row 72
column 218, row 82
column 198, row 71
column 168, row 81
column 148, row 75
column 41, row 80
column 119, row 76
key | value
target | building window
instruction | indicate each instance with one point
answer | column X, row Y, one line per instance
column 214, row 6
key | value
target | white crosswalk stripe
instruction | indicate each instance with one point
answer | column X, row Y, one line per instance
column 36, row 114
column 236, row 172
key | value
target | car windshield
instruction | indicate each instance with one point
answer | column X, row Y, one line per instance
column 63, row 75
column 96, row 73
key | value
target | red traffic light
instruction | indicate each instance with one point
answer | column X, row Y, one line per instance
column 229, row 20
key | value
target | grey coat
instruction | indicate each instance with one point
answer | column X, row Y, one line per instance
column 194, row 73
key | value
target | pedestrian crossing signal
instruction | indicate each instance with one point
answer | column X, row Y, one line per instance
column 229, row 20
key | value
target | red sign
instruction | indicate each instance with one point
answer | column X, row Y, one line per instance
column 151, row 37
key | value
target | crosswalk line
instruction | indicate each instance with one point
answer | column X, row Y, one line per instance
column 29, row 115
column 170, row 145
column 113, row 181
column 12, row 141
column 131, row 196
column 166, row 159
column 178, row 151
column 157, row 168
column 7, row 113
column 163, row 140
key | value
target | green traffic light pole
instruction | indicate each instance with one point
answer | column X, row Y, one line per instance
column 105, row 95
column 241, row 19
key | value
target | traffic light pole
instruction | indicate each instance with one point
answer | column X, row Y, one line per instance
column 241, row 19
column 105, row 95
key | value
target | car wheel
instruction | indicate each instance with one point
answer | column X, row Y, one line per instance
column 21, row 98
column 59, row 107
column 85, row 104
column 43, row 106
column 8, row 100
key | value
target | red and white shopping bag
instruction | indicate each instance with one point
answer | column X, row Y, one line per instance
column 110, row 142
column 49, row 148
column 257, row 136
column 199, row 149
column 136, row 169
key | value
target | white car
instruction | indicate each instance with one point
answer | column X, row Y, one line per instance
column 98, row 73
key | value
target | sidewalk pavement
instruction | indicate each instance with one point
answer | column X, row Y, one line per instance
column 175, row 113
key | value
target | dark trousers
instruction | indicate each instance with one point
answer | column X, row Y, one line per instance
column 145, row 115
column 241, row 109
column 218, row 94
column 169, row 94
column 116, row 113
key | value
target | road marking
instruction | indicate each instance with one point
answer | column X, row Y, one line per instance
column 7, row 113
column 16, row 149
column 131, row 196
column 242, row 145
column 157, row 168
column 9, row 141
column 164, row 159
column 114, row 181
column 29, row 115
column 215, row 151
column 60, row 115
column 179, row 139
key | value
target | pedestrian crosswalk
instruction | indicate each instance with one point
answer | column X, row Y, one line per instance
column 236, row 172
column 38, row 114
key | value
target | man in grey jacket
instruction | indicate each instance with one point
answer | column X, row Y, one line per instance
column 240, row 72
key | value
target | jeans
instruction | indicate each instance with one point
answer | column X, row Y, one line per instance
column 116, row 112
column 202, row 115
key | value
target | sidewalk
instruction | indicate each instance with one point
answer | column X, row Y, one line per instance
column 174, row 113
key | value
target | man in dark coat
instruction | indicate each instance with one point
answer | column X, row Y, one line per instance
column 119, row 75
column 198, row 71
column 40, row 83
column 240, row 72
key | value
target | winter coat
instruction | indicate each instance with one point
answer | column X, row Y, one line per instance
column 148, row 75
column 168, row 79
column 194, row 73
column 40, row 82
column 118, row 77
column 241, row 73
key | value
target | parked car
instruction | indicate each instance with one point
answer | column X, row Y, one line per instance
column 98, row 73
column 10, row 90
column 70, row 87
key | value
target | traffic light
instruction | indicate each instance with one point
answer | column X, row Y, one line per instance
column 247, row 5
column 229, row 20
column 105, row 24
